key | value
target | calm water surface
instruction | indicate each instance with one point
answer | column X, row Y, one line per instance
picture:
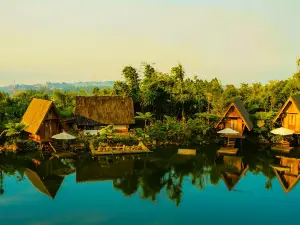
column 161, row 188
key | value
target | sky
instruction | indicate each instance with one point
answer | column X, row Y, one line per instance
column 92, row 40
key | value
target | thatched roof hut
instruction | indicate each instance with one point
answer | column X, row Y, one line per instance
column 104, row 110
column 236, row 117
column 289, row 114
column 42, row 120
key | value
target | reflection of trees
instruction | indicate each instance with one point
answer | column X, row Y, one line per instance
column 147, row 176
column 1, row 182
column 16, row 165
column 127, row 184
column 152, row 181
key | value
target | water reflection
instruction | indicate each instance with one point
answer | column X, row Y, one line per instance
column 148, row 176
column 47, row 176
column 232, row 170
column 287, row 172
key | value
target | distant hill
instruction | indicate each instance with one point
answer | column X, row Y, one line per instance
column 62, row 86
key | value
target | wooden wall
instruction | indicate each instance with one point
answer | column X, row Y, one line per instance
column 291, row 118
column 49, row 127
column 233, row 120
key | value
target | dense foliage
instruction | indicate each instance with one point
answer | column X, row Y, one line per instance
column 170, row 94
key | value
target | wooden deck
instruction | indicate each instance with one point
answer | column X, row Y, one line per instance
column 187, row 151
column 64, row 154
column 281, row 148
column 116, row 152
column 281, row 168
column 234, row 136
column 228, row 151
column 119, row 150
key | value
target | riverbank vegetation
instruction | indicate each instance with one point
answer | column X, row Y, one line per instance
column 170, row 98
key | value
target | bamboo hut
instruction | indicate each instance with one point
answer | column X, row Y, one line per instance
column 96, row 171
column 233, row 169
column 236, row 117
column 42, row 120
column 93, row 112
column 289, row 114
column 287, row 172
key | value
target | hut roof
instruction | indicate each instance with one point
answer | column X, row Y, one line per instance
column 231, row 177
column 238, row 104
column 35, row 114
column 104, row 110
column 48, row 185
column 295, row 99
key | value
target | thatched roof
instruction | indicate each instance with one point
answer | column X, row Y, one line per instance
column 48, row 185
column 35, row 114
column 104, row 110
column 294, row 100
column 93, row 171
column 238, row 104
column 233, row 171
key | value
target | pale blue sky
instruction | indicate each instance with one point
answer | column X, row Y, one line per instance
column 71, row 40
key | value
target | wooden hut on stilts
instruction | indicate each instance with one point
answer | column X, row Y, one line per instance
column 42, row 120
column 236, row 118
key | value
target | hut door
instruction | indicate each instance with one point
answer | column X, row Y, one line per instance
column 240, row 126
column 46, row 130
column 234, row 124
column 292, row 121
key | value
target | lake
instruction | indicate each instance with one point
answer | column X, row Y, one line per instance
column 159, row 188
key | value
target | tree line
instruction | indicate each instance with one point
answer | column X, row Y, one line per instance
column 172, row 94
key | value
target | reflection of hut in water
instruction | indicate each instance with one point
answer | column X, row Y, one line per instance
column 236, row 117
column 93, row 170
column 48, row 177
column 93, row 112
column 232, row 170
column 42, row 120
column 287, row 172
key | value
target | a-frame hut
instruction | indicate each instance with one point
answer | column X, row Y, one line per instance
column 289, row 114
column 236, row 117
column 232, row 170
column 93, row 112
column 42, row 120
column 287, row 172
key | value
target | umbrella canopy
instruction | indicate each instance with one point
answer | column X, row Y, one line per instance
column 282, row 131
column 63, row 136
column 228, row 131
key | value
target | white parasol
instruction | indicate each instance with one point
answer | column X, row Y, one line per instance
column 63, row 136
column 282, row 131
column 228, row 131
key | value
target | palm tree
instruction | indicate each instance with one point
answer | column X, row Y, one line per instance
column 147, row 116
